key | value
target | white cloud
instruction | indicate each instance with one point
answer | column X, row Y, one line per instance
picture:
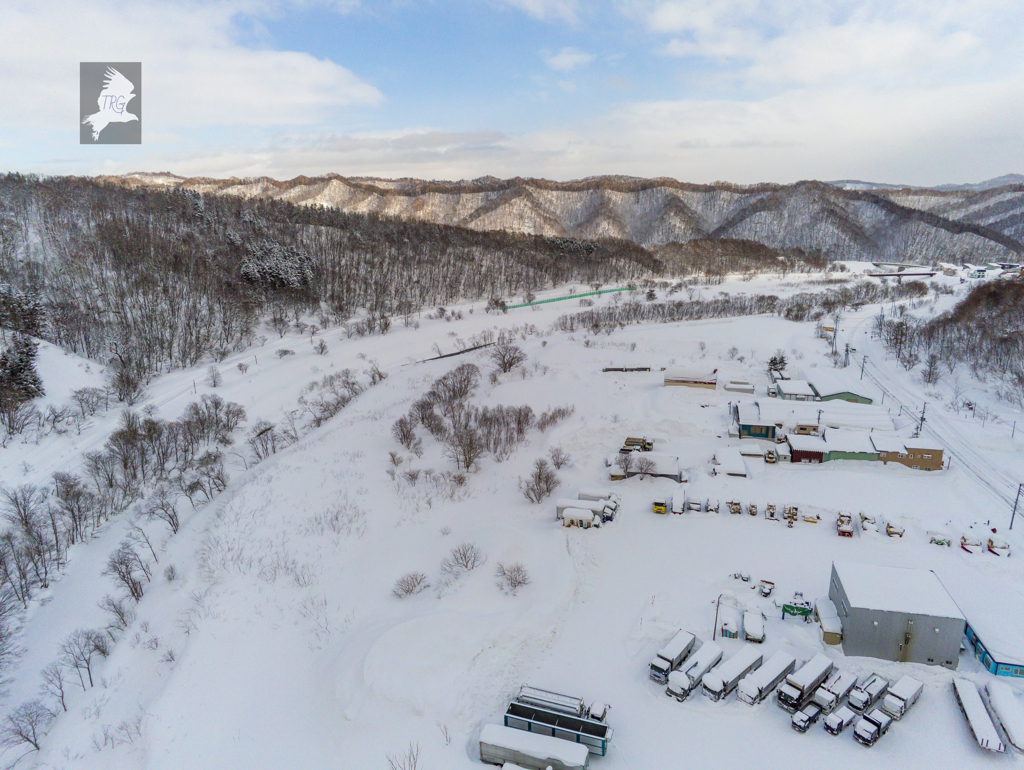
column 567, row 10
column 568, row 59
column 194, row 71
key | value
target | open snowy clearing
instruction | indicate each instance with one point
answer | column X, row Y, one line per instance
column 289, row 650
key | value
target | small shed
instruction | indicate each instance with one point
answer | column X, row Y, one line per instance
column 797, row 390
column 896, row 613
column 827, row 617
column 730, row 462
column 691, row 377
column 740, row 386
column 806, row 449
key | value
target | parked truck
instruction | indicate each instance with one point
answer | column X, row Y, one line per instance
column 871, row 727
column 834, row 690
column 662, row 504
column 500, row 745
column 598, row 493
column 723, row 679
column 798, row 689
column 839, row 720
column 864, row 696
column 753, row 626
column 757, row 686
column 687, row 678
column 605, row 509
column 805, row 717
column 644, row 444
column 901, row 697
column 671, row 655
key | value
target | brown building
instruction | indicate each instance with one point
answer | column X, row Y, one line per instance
column 915, row 453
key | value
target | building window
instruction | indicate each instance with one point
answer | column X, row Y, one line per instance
column 927, row 457
column 902, row 455
column 916, row 467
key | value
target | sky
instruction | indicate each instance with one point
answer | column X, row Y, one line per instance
column 903, row 91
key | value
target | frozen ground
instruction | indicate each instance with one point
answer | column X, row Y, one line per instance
column 279, row 644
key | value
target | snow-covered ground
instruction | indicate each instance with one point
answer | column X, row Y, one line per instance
column 280, row 644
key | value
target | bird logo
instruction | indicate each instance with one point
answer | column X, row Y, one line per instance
column 113, row 103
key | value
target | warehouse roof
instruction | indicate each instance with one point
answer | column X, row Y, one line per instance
column 856, row 441
column 888, row 443
column 801, row 443
column 796, row 387
column 896, row 589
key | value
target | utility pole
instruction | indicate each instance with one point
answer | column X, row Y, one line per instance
column 920, row 425
column 863, row 361
column 847, row 360
column 1014, row 514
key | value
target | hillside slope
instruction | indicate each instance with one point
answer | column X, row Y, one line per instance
column 859, row 224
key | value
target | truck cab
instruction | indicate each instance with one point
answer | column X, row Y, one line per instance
column 662, row 504
column 871, row 727
column 802, row 720
column 866, row 695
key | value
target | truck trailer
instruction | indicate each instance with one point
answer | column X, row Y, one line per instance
column 901, row 697
column 686, row 679
column 978, row 720
column 499, row 744
column 1006, row 712
column 798, row 689
column 722, row 680
column 605, row 509
column 671, row 655
column 757, row 686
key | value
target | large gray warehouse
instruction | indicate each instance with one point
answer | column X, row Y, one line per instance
column 896, row 613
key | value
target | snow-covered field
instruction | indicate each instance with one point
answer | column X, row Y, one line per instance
column 279, row 643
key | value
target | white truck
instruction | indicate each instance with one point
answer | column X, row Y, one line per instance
column 602, row 508
column 832, row 692
column 671, row 655
column 839, row 720
column 864, row 696
column 686, row 679
column 871, row 727
column 757, row 686
column 901, row 697
column 597, row 493
column 722, row 680
column 798, row 689
column 807, row 716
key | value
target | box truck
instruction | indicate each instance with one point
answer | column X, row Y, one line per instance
column 686, row 679
column 671, row 655
column 798, row 689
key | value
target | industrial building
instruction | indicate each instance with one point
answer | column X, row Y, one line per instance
column 896, row 613
column 692, row 377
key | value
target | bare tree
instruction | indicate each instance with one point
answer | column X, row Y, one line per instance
column 404, row 431
column 539, row 484
column 54, row 683
column 77, row 652
column 127, row 568
column 625, row 461
column 409, row 584
column 162, row 507
column 559, row 457
column 213, row 376
column 27, row 724
column 137, row 537
column 465, row 446
column 121, row 614
column 512, row 577
column 410, row 760
column 507, row 356
column 645, row 467
column 931, row 372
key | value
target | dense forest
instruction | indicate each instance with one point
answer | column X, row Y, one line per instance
column 145, row 279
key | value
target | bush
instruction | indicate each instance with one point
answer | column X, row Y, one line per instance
column 507, row 357
column 512, row 577
column 559, row 457
column 284, row 352
column 410, row 584
column 463, row 558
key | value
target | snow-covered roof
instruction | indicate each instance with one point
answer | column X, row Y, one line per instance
column 801, row 443
column 883, row 443
column 691, row 373
column 834, row 414
column 577, row 514
column 829, row 381
column 796, row 387
column 535, row 745
column 920, row 443
column 849, row 441
column 896, row 589
column 731, row 461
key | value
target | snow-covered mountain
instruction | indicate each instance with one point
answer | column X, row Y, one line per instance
column 844, row 220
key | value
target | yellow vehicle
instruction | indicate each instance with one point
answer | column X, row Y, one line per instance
column 770, row 456
column 662, row 505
